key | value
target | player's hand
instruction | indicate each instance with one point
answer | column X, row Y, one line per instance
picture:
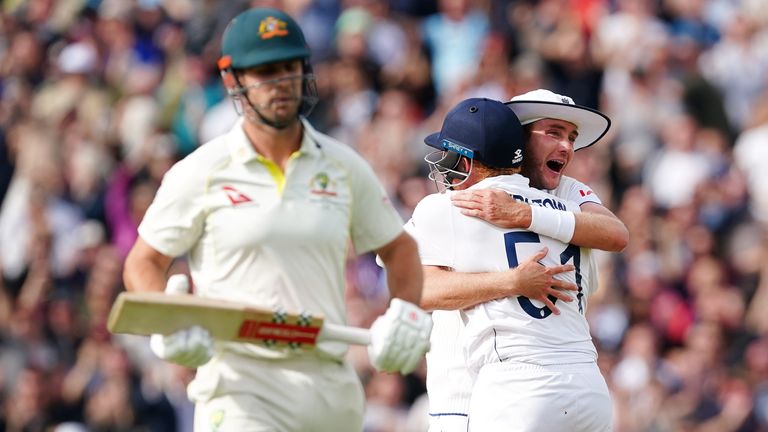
column 191, row 347
column 494, row 206
column 537, row 282
column 400, row 337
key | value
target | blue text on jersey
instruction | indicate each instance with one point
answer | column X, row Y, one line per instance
column 546, row 202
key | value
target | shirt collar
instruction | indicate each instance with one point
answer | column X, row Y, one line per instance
column 242, row 151
column 310, row 144
column 502, row 182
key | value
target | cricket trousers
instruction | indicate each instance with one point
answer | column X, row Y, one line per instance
column 521, row 397
column 237, row 393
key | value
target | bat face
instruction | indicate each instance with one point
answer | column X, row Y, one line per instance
column 143, row 313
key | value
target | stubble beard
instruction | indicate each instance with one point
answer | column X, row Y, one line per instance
column 280, row 117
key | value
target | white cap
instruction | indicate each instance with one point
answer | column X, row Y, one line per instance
column 77, row 58
column 540, row 104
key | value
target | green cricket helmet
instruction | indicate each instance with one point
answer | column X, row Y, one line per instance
column 261, row 35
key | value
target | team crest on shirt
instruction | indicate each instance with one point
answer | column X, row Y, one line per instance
column 271, row 27
column 216, row 419
column 322, row 185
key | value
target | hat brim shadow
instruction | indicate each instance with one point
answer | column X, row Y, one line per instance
column 592, row 124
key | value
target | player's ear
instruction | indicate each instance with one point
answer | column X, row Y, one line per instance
column 464, row 164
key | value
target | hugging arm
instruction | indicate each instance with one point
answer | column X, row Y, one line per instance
column 595, row 226
column 448, row 290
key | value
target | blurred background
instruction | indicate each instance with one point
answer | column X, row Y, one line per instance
column 98, row 98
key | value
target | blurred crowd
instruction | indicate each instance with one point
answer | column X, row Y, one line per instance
column 98, row 98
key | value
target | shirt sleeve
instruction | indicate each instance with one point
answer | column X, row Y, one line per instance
column 174, row 221
column 573, row 190
column 431, row 227
column 375, row 221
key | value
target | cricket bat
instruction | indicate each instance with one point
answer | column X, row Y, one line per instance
column 145, row 313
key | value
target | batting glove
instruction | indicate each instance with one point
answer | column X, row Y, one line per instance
column 400, row 338
column 191, row 347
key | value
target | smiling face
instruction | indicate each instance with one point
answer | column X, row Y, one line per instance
column 274, row 89
column 548, row 151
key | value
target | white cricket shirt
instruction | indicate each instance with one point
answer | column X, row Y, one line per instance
column 256, row 235
column 447, row 238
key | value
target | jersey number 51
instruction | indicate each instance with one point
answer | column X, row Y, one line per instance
column 571, row 251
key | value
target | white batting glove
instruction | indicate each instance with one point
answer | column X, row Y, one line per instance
column 400, row 337
column 191, row 347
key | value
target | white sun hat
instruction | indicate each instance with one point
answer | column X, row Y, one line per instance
column 540, row 104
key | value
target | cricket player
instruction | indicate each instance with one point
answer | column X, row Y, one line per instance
column 453, row 290
column 266, row 214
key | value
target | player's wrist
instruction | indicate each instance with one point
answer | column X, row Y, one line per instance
column 525, row 215
column 557, row 224
column 512, row 287
column 516, row 215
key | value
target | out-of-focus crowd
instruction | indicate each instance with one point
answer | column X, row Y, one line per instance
column 99, row 97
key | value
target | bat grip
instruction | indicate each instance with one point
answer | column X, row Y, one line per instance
column 345, row 334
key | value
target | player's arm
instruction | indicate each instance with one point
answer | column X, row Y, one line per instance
column 404, row 273
column 145, row 268
column 598, row 228
column 173, row 222
column 170, row 227
column 374, row 222
column 448, row 290
column 400, row 337
column 595, row 226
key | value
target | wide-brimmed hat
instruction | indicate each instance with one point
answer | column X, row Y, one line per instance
column 540, row 104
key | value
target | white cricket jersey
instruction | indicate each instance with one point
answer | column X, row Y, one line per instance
column 255, row 235
column 447, row 238
column 575, row 191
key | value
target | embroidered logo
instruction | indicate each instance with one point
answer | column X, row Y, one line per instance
column 321, row 184
column 585, row 192
column 235, row 196
column 271, row 27
column 217, row 418
column 518, row 157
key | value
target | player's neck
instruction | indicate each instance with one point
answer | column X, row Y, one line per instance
column 274, row 144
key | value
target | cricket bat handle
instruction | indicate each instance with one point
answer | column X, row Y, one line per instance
column 345, row 334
